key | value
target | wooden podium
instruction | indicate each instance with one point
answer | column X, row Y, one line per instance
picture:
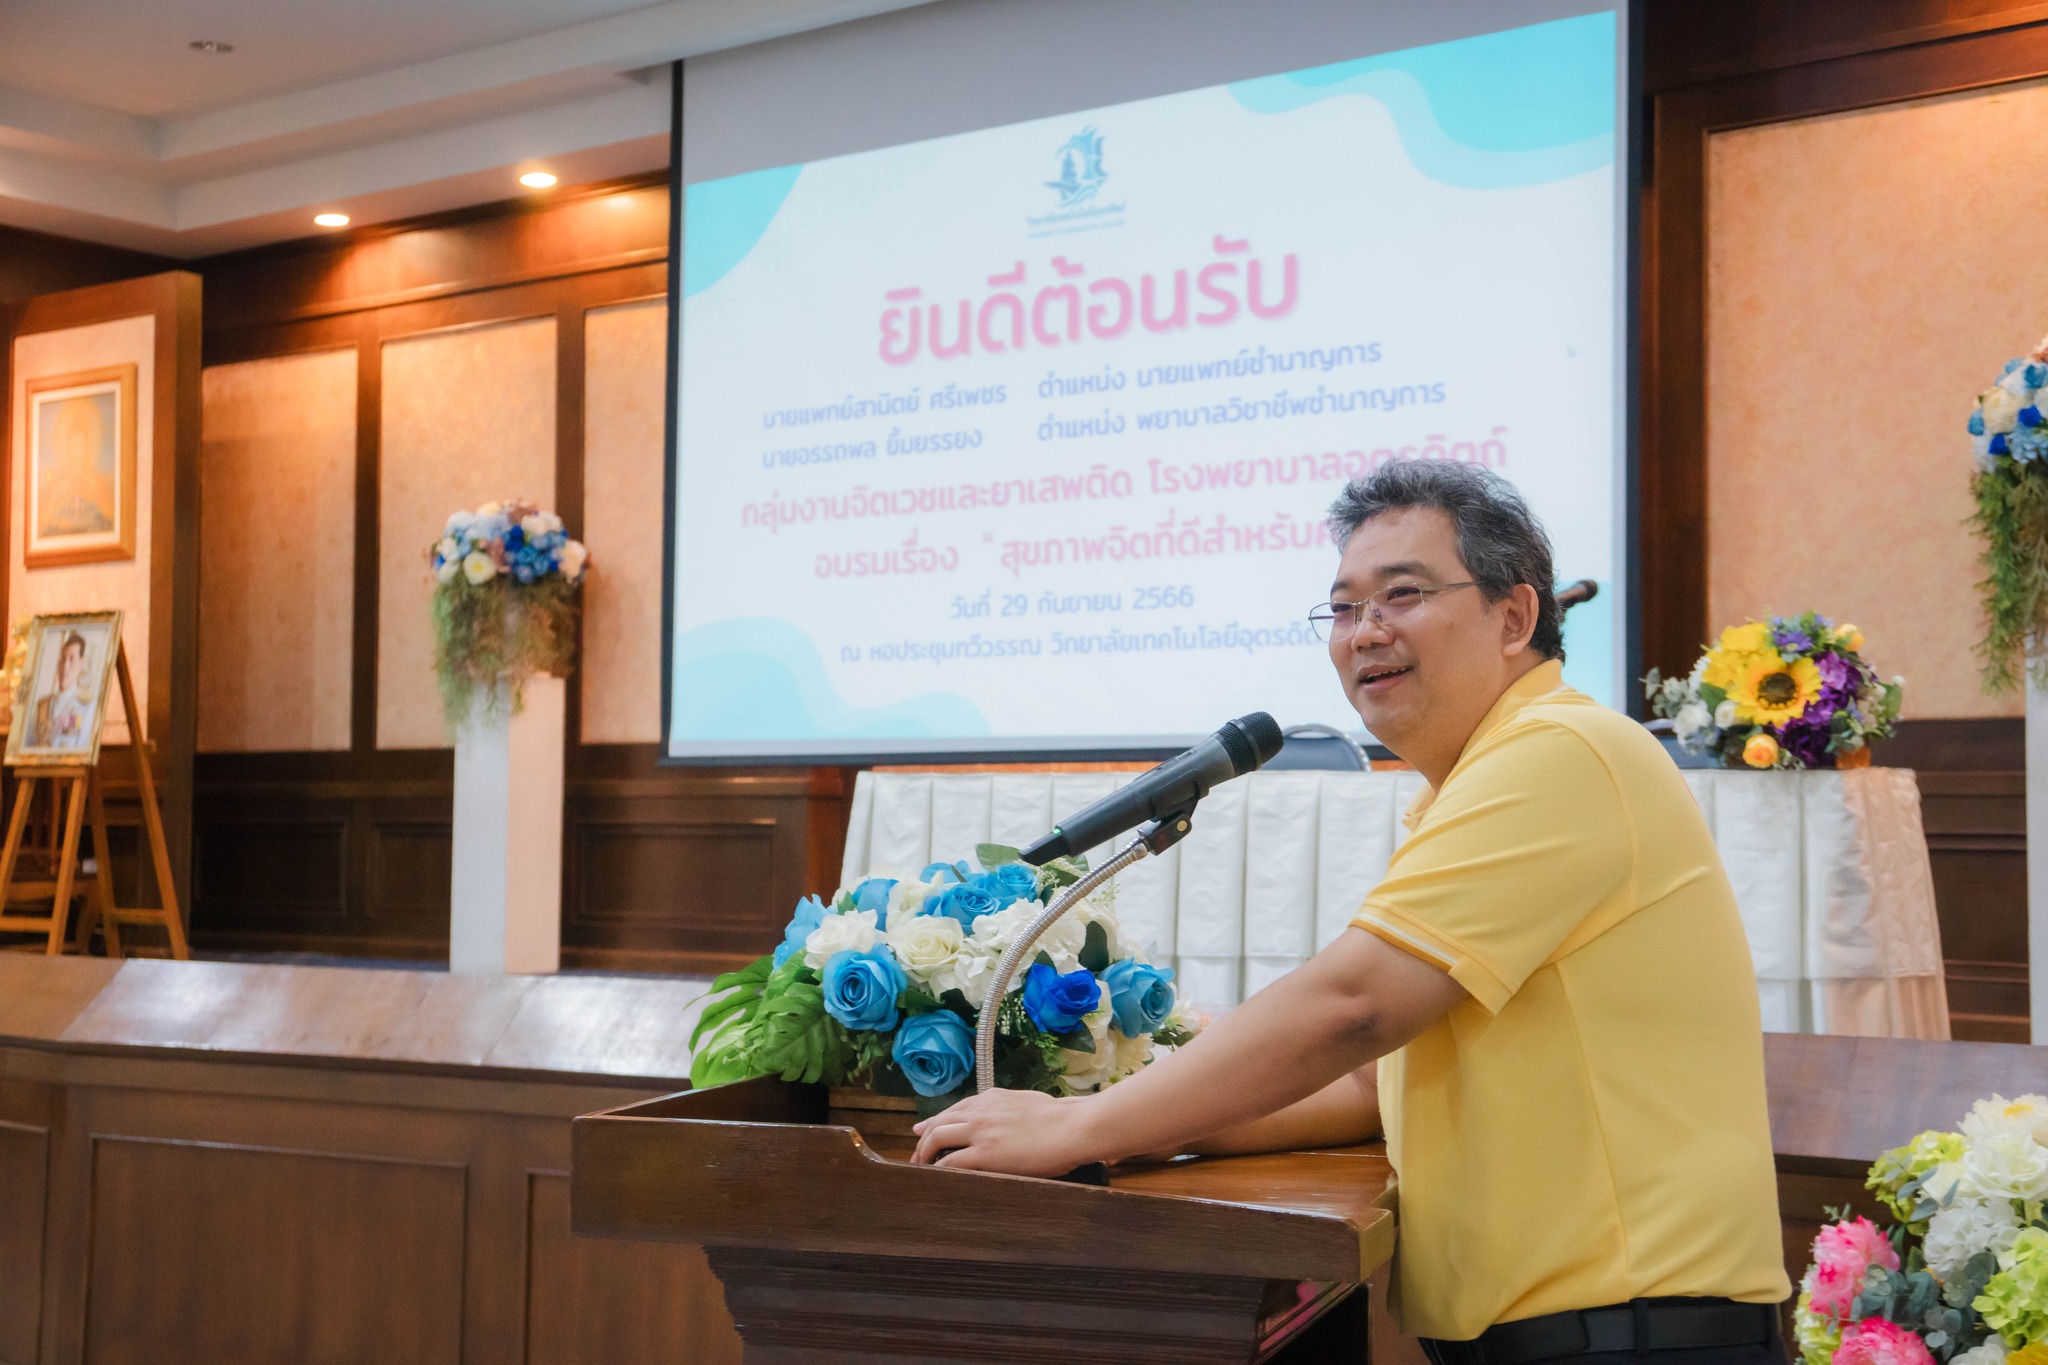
column 834, row 1248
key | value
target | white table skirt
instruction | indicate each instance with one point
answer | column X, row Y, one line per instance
column 1830, row 872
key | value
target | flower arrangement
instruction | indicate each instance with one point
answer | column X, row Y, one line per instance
column 2010, row 488
column 1791, row 692
column 1962, row 1275
column 883, row 986
column 505, row 582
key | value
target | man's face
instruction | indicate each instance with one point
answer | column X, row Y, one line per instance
column 1426, row 681
column 69, row 661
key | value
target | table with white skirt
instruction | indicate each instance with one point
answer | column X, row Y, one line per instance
column 1830, row 873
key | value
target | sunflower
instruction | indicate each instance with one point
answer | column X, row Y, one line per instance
column 1770, row 691
column 1733, row 652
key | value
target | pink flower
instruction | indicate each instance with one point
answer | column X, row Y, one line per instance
column 1841, row 1255
column 1874, row 1341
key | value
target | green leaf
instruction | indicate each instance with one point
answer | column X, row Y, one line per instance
column 1095, row 948
column 1713, row 696
column 916, row 1000
column 1042, row 957
column 1080, row 1040
column 995, row 855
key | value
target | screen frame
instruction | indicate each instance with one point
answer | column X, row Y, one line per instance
column 1631, row 176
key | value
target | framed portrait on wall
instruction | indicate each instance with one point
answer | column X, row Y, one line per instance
column 62, row 706
column 79, row 492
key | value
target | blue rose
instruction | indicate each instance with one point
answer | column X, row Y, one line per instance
column 1998, row 444
column 1976, row 423
column 935, row 1052
column 1059, row 1003
column 873, row 894
column 2030, row 416
column 514, row 538
column 810, row 913
column 1020, row 880
column 2036, row 374
column 965, row 903
column 861, row 988
column 1140, row 996
column 943, row 873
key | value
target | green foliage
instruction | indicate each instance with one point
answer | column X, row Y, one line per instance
column 1027, row 1057
column 790, row 1035
column 1060, row 874
column 499, row 629
column 2011, row 519
column 718, row 1043
column 1095, row 948
column 995, row 855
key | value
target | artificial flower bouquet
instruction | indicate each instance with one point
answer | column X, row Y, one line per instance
column 2010, row 438
column 1962, row 1275
column 1791, row 692
column 505, row 583
column 882, row 987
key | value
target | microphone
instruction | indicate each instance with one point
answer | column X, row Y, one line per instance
column 1241, row 746
column 1585, row 590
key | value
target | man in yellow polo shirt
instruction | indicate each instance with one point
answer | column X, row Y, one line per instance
column 1553, row 971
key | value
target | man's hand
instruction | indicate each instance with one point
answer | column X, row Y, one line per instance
column 1355, row 1001
column 1024, row 1132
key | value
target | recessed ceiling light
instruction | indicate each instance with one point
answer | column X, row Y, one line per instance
column 213, row 45
column 331, row 219
column 537, row 180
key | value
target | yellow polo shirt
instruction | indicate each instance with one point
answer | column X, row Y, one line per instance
column 1590, row 1127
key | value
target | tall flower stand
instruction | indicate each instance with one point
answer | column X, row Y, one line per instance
column 506, row 915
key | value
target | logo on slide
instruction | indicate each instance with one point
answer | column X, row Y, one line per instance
column 1081, row 172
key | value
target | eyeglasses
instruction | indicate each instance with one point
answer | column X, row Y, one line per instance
column 1389, row 606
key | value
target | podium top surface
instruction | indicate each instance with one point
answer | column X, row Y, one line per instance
column 756, row 1164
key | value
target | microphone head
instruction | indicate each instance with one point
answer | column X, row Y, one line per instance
column 1251, row 741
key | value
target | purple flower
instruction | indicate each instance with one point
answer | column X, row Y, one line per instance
column 1838, row 680
column 1807, row 738
column 1789, row 638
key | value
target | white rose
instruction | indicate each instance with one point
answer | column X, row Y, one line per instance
column 1992, row 1352
column 446, row 573
column 923, row 944
column 1724, row 714
column 2027, row 1114
column 534, row 525
column 573, row 558
column 839, row 933
column 2005, row 1166
column 2014, row 382
column 479, row 568
column 907, row 898
column 2001, row 410
column 1062, row 942
column 1963, row 1229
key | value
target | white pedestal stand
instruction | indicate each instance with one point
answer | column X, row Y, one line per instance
column 2037, row 857
column 506, row 915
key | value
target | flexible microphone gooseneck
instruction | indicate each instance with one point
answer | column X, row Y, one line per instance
column 1242, row 745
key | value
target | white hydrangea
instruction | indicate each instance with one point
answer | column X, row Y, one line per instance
column 1692, row 720
column 2028, row 1114
column 1082, row 1072
column 1132, row 1055
column 1963, row 1229
column 1062, row 942
column 2005, row 1166
column 1992, row 1351
column 856, row 931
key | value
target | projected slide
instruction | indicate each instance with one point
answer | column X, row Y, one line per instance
column 1021, row 439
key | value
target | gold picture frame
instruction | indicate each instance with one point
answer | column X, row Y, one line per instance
column 66, row 683
column 78, row 493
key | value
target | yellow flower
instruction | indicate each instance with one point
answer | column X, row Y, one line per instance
column 1736, row 647
column 479, row 568
column 2033, row 1353
column 1849, row 638
column 1761, row 751
column 1770, row 691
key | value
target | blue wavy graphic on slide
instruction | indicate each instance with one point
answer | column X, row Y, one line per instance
column 1498, row 111
column 724, row 218
column 759, row 678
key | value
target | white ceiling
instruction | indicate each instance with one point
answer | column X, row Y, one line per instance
column 113, row 129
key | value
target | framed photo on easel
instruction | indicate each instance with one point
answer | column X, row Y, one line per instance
column 62, row 708
column 80, row 485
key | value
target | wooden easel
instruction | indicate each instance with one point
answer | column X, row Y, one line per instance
column 79, row 797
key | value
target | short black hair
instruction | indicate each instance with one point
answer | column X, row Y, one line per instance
column 1499, row 538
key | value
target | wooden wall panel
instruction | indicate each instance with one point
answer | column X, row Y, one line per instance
column 624, row 458
column 588, row 1299
column 210, row 1251
column 468, row 418
column 1866, row 275
column 277, row 553
column 24, row 1181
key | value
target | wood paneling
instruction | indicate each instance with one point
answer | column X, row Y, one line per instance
column 588, row 1301
column 250, row 871
column 209, row 1251
column 24, row 1179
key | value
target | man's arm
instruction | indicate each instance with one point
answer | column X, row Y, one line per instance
column 1343, row 1113
column 1356, row 1001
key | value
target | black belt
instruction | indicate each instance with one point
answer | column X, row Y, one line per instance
column 1674, row 1324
